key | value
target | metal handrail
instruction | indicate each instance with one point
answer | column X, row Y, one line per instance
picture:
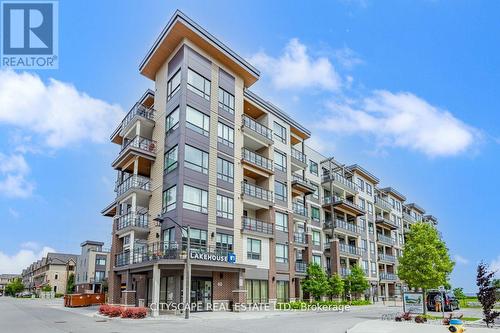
column 299, row 209
column 137, row 110
column 300, row 266
column 257, row 127
column 141, row 143
column 250, row 224
column 134, row 219
column 334, row 176
column 257, row 159
column 350, row 249
column 134, row 181
column 300, row 237
column 256, row 192
column 298, row 155
column 385, row 239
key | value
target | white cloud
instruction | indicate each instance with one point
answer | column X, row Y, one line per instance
column 402, row 120
column 55, row 110
column 23, row 258
column 460, row 260
column 297, row 69
column 13, row 173
column 347, row 58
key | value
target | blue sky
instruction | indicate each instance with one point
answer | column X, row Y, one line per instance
column 405, row 88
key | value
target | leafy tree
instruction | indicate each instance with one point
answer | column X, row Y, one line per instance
column 70, row 284
column 316, row 281
column 486, row 294
column 447, row 285
column 336, row 285
column 47, row 288
column 356, row 281
column 459, row 293
column 426, row 262
column 14, row 287
column 496, row 284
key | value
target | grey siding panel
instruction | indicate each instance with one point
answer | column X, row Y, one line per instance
column 283, row 267
column 224, row 231
column 197, row 102
column 256, row 273
column 225, row 185
column 196, row 140
column 280, row 175
column 226, row 116
column 198, row 63
column 225, row 222
column 226, row 81
column 281, row 237
column 176, row 61
column 225, row 149
column 195, row 179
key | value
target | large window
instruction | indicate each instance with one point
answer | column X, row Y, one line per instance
column 257, row 291
column 315, row 215
column 369, row 189
column 195, row 199
column 254, row 248
column 313, row 167
column 169, row 199
column 172, row 121
column 279, row 160
column 281, row 253
column 100, row 261
column 280, row 191
column 198, row 84
column 370, row 208
column 99, row 276
column 316, row 238
column 169, row 237
column 279, row 132
column 372, row 247
column 198, row 239
column 197, row 121
column 224, row 243
column 282, row 288
column 225, row 170
column 226, row 101
column 225, row 135
column 281, row 221
column 174, row 84
column 360, row 184
column 224, row 207
column 196, row 159
column 315, row 194
column 316, row 259
column 171, row 159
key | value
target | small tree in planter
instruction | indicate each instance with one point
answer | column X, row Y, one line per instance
column 336, row 286
column 316, row 281
column 357, row 281
column 486, row 294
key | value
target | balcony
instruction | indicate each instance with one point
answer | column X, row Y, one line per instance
column 300, row 186
column 136, row 147
column 409, row 218
column 300, row 238
column 299, row 160
column 256, row 135
column 343, row 204
column 327, row 245
column 344, row 272
column 257, row 197
column 342, row 226
column 340, row 182
column 300, row 267
column 264, row 166
column 388, row 276
column 134, row 183
column 254, row 226
column 299, row 210
column 385, row 222
column 132, row 221
column 382, row 203
column 138, row 112
column 122, row 259
column 387, row 258
column 386, row 240
column 350, row 250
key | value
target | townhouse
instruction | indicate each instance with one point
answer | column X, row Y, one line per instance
column 5, row 279
column 202, row 150
column 92, row 267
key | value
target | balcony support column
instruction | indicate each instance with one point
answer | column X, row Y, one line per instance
column 156, row 291
column 335, row 256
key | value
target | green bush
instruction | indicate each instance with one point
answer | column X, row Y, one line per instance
column 58, row 295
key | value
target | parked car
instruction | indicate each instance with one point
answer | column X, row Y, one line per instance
column 450, row 301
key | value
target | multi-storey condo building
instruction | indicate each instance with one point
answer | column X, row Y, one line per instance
column 202, row 150
column 5, row 279
column 92, row 267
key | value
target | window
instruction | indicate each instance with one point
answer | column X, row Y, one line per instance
column 371, row 230
column 226, row 101
column 365, row 266
column 196, row 159
column 313, row 167
column 315, row 215
column 316, row 237
column 225, row 170
column 224, row 243
column 100, row 262
column 279, row 132
column 171, row 157
column 280, row 191
column 282, row 291
column 315, row 194
column 126, row 240
column 169, row 237
column 393, row 203
column 56, row 277
column 172, row 121
column 369, row 189
column 364, row 245
column 372, row 247
column 224, row 207
column 198, row 239
column 198, row 84
column 280, row 160
column 195, row 199
column 169, row 199
column 281, row 253
column 401, row 240
column 360, row 184
column 225, row 135
column 316, row 260
column 174, row 84
column 281, row 221
column 362, row 203
column 253, row 249
column 99, row 276
column 257, row 291
column 370, row 208
column 197, row 121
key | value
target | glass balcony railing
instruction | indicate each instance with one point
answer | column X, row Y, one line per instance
column 250, row 224
column 298, row 155
column 387, row 257
column 350, row 249
column 257, row 159
column 141, row 143
column 137, row 110
column 408, row 217
column 385, row 239
column 339, row 179
column 339, row 200
column 122, row 259
column 257, row 127
column 256, row 192
column 132, row 219
column 382, row 203
column 133, row 182
column 299, row 209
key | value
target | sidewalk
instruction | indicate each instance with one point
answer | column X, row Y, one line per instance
column 380, row 326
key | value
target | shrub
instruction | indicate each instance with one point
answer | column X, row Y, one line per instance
column 58, row 295
column 126, row 312
column 139, row 313
column 115, row 311
column 103, row 309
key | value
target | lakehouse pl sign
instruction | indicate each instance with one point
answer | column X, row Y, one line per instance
column 208, row 256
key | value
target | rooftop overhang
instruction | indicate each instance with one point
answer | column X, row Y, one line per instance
column 363, row 172
column 394, row 193
column 179, row 27
column 416, row 207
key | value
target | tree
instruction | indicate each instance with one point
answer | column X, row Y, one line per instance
column 70, row 284
column 316, row 281
column 425, row 262
column 47, row 288
column 486, row 294
column 496, row 284
column 356, row 281
column 14, row 287
column 336, row 286
column 459, row 293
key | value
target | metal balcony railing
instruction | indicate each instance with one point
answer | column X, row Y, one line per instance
column 380, row 218
column 338, row 200
column 133, row 182
column 122, row 259
column 256, row 192
column 387, row 257
column 141, row 143
column 339, row 179
column 382, row 203
column 387, row 276
column 298, row 155
column 250, row 224
column 299, row 209
column 300, row 179
column 344, row 271
column 132, row 219
column 350, row 249
column 341, row 224
column 257, row 159
column 386, row 239
column 408, row 217
column 300, row 238
column 258, row 128
column 137, row 110
column 300, row 267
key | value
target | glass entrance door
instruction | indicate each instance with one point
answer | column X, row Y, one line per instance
column 201, row 294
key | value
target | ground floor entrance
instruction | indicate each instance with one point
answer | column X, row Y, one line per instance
column 201, row 294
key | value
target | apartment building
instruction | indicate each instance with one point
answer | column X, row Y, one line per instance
column 92, row 267
column 52, row 270
column 5, row 279
column 203, row 151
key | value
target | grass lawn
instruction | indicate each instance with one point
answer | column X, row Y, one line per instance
column 463, row 318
